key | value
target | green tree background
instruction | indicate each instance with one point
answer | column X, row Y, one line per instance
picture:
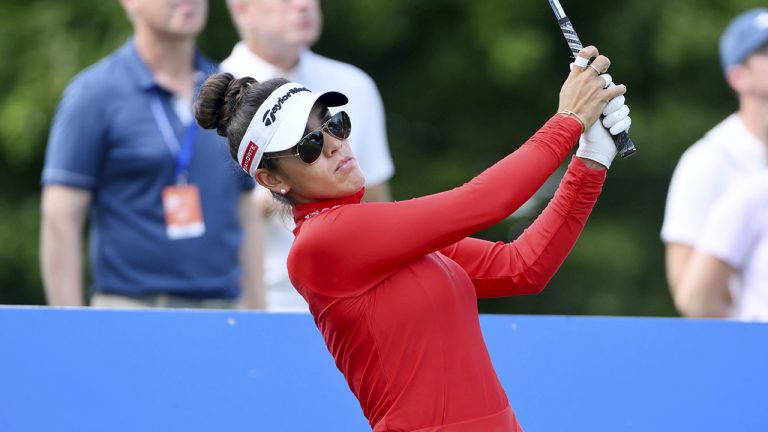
column 464, row 83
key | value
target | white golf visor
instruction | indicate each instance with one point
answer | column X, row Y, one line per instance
column 280, row 121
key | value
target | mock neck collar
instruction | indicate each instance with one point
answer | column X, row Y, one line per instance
column 302, row 212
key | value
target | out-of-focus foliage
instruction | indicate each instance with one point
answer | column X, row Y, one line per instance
column 464, row 83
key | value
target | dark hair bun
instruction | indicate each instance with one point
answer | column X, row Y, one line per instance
column 220, row 97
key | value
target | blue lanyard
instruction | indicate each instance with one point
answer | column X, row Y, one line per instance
column 183, row 151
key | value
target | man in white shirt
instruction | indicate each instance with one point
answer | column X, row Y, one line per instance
column 732, row 248
column 276, row 36
column 734, row 148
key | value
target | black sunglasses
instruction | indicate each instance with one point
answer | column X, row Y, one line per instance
column 310, row 146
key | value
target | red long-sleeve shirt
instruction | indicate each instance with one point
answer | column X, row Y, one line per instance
column 393, row 287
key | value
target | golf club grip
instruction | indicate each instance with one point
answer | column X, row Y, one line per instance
column 624, row 144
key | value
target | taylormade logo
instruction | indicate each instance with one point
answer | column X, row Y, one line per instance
column 250, row 151
column 269, row 116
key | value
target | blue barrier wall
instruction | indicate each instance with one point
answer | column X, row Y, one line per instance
column 95, row 370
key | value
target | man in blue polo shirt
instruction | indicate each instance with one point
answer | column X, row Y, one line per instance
column 170, row 214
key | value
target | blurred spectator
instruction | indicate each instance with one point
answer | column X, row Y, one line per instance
column 734, row 148
column 733, row 246
column 124, row 148
column 276, row 36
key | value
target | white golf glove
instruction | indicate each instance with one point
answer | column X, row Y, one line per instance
column 596, row 143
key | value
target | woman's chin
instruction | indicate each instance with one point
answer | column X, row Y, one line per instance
column 354, row 181
column 359, row 183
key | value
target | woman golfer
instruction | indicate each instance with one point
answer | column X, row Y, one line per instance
column 393, row 287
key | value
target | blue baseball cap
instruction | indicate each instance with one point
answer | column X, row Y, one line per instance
column 745, row 33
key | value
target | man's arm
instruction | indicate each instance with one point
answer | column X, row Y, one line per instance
column 702, row 291
column 693, row 191
column 677, row 257
column 252, row 253
column 63, row 213
column 724, row 247
column 698, row 282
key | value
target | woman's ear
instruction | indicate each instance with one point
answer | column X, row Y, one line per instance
column 271, row 180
